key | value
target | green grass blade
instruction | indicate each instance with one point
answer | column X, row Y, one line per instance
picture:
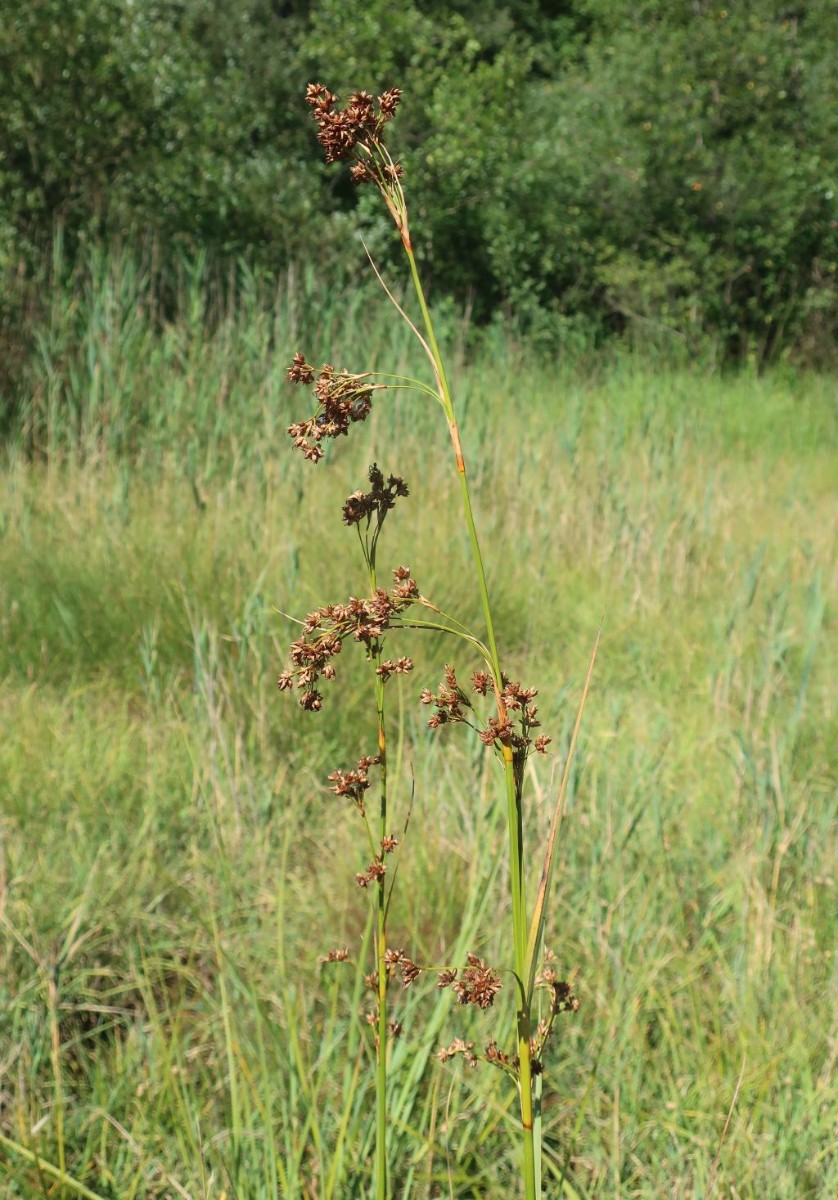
column 540, row 910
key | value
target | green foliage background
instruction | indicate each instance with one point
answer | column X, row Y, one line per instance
column 170, row 867
column 593, row 166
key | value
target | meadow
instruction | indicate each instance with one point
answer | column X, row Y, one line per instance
column 172, row 866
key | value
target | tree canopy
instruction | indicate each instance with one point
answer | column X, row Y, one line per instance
column 591, row 165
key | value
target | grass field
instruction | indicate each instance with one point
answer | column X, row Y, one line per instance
column 172, row 864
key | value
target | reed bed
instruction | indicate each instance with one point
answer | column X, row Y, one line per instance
column 172, row 870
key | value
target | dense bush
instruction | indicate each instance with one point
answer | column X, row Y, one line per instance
column 594, row 166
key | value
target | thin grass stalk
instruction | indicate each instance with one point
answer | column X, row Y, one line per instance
column 46, row 1168
column 381, row 948
column 381, row 914
column 229, row 1045
column 55, row 1055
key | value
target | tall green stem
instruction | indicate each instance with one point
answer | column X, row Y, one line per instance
column 513, row 796
column 381, row 913
column 382, row 1191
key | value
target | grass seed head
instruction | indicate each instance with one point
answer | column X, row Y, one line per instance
column 478, row 983
column 343, row 399
column 338, row 955
column 378, row 501
column 354, row 130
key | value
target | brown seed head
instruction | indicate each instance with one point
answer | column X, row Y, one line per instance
column 374, row 873
column 478, row 983
column 493, row 1055
column 378, row 501
column 354, row 130
column 300, row 371
column 388, row 103
column 342, row 399
column 335, row 956
column 409, row 970
column 450, row 700
column 326, row 629
column 458, row 1047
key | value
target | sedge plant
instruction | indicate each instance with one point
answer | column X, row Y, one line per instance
column 500, row 710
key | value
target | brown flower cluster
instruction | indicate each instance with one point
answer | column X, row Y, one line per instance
column 458, row 1046
column 564, row 999
column 342, row 398
column 394, row 666
column 379, row 499
column 497, row 1057
column 376, row 871
column 355, row 131
column 326, row 629
column 398, row 960
column 492, row 1055
column 516, row 699
column 373, row 874
column 354, row 783
column 394, row 1027
column 449, row 701
column 477, row 983
column 339, row 955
